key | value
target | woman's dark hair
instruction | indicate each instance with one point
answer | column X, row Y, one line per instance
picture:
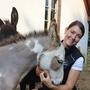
column 79, row 24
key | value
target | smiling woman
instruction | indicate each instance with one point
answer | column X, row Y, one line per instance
column 74, row 60
column 74, row 13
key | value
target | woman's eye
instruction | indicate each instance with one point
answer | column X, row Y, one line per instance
column 72, row 32
column 79, row 36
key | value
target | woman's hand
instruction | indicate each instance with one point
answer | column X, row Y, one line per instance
column 45, row 78
column 38, row 70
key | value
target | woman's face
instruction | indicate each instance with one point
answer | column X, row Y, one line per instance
column 72, row 36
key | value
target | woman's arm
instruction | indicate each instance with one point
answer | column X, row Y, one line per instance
column 71, row 81
column 73, row 76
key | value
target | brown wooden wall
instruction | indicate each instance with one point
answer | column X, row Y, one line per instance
column 87, row 4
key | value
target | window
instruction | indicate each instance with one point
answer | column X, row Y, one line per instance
column 53, row 8
column 46, row 14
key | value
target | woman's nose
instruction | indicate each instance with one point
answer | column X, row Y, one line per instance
column 73, row 36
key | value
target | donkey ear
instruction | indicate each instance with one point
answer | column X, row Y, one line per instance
column 14, row 16
column 1, row 22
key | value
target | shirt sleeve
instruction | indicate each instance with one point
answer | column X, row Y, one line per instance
column 78, row 65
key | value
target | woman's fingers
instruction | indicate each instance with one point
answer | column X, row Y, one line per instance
column 42, row 77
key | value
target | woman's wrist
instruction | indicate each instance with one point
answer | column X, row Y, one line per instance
column 52, row 87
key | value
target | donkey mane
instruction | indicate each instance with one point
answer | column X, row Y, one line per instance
column 13, row 36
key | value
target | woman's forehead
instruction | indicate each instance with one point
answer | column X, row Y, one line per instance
column 76, row 29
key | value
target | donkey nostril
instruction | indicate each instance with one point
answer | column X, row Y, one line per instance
column 60, row 61
column 55, row 64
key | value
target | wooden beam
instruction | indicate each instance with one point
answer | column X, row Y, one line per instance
column 58, row 14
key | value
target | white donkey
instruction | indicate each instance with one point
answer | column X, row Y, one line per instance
column 53, row 62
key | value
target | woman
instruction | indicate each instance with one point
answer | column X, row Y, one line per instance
column 74, row 60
